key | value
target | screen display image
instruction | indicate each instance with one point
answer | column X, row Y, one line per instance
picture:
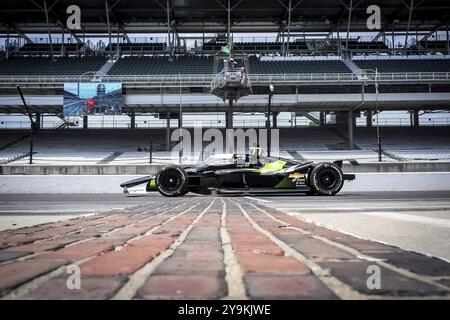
column 82, row 99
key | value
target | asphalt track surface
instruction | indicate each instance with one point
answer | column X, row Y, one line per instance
column 200, row 247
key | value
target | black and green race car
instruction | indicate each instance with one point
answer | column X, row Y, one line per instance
column 246, row 174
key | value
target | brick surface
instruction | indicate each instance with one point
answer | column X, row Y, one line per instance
column 314, row 248
column 123, row 262
column 354, row 273
column 262, row 263
column 416, row 263
column 78, row 251
column 11, row 255
column 156, row 241
column 44, row 245
column 91, row 288
column 110, row 247
column 365, row 246
column 180, row 266
column 17, row 273
column 286, row 287
column 204, row 252
column 183, row 287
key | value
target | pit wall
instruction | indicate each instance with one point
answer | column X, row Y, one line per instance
column 364, row 182
column 383, row 167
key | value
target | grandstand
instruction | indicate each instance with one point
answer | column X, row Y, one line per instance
column 324, row 77
column 120, row 146
column 46, row 66
column 204, row 65
column 405, row 65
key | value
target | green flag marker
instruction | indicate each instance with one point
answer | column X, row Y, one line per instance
column 225, row 50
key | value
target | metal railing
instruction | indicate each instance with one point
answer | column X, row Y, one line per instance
column 207, row 78
column 107, row 123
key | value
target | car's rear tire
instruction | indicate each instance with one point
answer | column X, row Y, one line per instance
column 326, row 179
column 172, row 181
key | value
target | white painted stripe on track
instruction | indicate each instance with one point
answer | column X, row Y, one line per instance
column 258, row 199
column 443, row 223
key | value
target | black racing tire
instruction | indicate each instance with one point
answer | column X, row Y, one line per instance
column 184, row 192
column 326, row 179
column 172, row 181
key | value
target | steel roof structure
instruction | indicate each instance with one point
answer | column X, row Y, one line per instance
column 192, row 16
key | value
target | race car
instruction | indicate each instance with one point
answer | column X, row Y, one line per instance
column 246, row 174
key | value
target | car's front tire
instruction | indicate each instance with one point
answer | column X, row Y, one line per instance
column 172, row 181
column 326, row 179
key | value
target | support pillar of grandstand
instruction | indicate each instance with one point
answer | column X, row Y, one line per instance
column 350, row 129
column 289, row 10
column 229, row 28
column 229, row 120
column 85, row 122
column 229, row 115
column 38, row 121
column 393, row 40
column 415, row 118
column 46, row 10
column 448, row 39
column 229, row 9
column 350, row 8
column 168, row 131
column 180, row 120
column 275, row 119
column 345, row 122
column 322, row 118
column 62, row 43
column 169, row 42
column 369, row 119
column 289, row 28
column 411, row 8
column 132, row 120
column 117, row 46
column 7, row 43
column 108, row 26
column 338, row 40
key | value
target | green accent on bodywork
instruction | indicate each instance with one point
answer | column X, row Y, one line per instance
column 273, row 166
column 285, row 184
column 152, row 184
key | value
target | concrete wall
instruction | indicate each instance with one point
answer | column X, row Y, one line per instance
column 96, row 169
column 365, row 182
column 399, row 181
column 146, row 169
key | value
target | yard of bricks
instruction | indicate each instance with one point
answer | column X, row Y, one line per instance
column 207, row 248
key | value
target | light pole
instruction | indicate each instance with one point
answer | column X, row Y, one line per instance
column 32, row 124
column 180, row 125
column 378, row 126
column 268, row 122
column 377, row 113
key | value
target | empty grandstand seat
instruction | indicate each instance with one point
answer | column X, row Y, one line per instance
column 45, row 48
column 434, row 45
column 204, row 65
column 406, row 65
column 45, row 66
column 138, row 47
column 366, row 45
column 404, row 138
column 255, row 47
column 162, row 65
column 58, row 146
column 294, row 67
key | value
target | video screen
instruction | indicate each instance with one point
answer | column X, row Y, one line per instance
column 82, row 99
